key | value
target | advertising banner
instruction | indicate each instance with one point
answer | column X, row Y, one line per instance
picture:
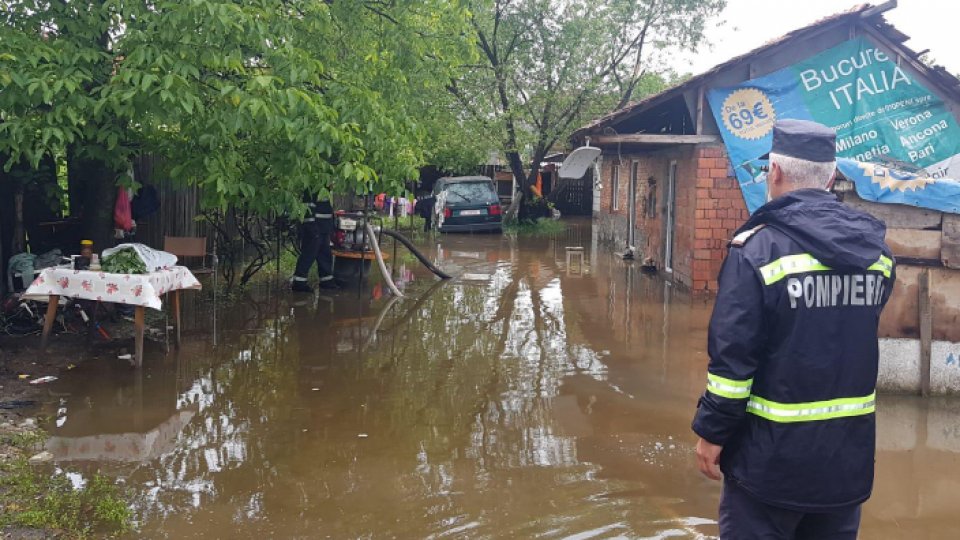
column 881, row 114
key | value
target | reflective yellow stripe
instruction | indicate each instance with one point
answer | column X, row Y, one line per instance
column 791, row 264
column 728, row 388
column 814, row 410
column 804, row 262
column 884, row 265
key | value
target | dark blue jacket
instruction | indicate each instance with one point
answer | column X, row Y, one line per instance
column 793, row 352
column 320, row 216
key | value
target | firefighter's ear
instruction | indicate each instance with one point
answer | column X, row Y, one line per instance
column 775, row 176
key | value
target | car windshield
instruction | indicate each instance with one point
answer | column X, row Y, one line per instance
column 471, row 192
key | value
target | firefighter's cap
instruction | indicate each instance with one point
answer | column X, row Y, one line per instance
column 803, row 139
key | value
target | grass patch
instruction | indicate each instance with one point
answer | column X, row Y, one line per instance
column 540, row 227
column 31, row 497
column 24, row 441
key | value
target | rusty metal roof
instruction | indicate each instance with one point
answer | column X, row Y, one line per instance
column 937, row 74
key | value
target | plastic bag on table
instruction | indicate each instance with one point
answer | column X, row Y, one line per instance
column 154, row 259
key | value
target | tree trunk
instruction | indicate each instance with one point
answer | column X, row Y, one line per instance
column 19, row 242
column 525, row 181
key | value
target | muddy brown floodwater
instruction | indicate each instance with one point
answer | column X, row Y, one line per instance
column 523, row 399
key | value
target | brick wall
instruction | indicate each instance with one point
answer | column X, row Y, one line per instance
column 720, row 211
column 709, row 209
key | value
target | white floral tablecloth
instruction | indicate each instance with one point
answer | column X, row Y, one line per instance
column 134, row 289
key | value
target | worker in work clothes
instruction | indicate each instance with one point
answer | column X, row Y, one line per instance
column 315, row 234
column 788, row 412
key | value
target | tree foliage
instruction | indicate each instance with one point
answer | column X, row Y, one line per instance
column 255, row 101
column 547, row 66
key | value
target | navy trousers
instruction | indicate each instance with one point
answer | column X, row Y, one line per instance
column 314, row 246
column 744, row 517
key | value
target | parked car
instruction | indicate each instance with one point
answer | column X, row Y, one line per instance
column 467, row 204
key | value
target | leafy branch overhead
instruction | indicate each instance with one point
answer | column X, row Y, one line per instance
column 255, row 101
column 548, row 66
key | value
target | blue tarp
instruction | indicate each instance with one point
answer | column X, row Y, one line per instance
column 882, row 184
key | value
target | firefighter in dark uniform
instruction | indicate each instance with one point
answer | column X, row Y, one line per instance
column 788, row 412
column 315, row 246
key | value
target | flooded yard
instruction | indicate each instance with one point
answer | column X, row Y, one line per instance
column 523, row 399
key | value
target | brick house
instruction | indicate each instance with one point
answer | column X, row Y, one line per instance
column 666, row 186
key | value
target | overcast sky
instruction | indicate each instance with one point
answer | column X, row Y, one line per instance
column 747, row 24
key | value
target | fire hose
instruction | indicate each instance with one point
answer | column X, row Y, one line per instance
column 372, row 238
column 416, row 253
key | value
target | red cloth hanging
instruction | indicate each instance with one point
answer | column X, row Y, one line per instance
column 122, row 216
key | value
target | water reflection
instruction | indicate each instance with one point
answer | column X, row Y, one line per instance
column 519, row 400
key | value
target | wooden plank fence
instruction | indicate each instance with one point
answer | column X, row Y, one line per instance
column 179, row 206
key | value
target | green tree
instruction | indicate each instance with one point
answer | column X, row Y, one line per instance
column 547, row 66
column 256, row 101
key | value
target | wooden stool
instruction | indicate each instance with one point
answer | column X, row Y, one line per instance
column 575, row 252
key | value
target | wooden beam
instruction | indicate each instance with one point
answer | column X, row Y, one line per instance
column 917, row 261
column 877, row 10
column 914, row 243
column 700, row 110
column 897, row 216
column 653, row 138
column 926, row 331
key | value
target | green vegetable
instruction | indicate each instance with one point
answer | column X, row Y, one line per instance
column 125, row 261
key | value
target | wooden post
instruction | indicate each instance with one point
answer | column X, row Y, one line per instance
column 926, row 331
column 950, row 241
column 138, row 335
column 54, row 301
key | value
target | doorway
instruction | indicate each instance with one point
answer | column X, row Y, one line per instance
column 670, row 204
column 632, row 205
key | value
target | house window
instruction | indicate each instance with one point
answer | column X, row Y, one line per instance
column 615, row 188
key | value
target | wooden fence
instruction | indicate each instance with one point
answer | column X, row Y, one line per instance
column 179, row 206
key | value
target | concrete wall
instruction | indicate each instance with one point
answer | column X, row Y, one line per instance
column 900, row 366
